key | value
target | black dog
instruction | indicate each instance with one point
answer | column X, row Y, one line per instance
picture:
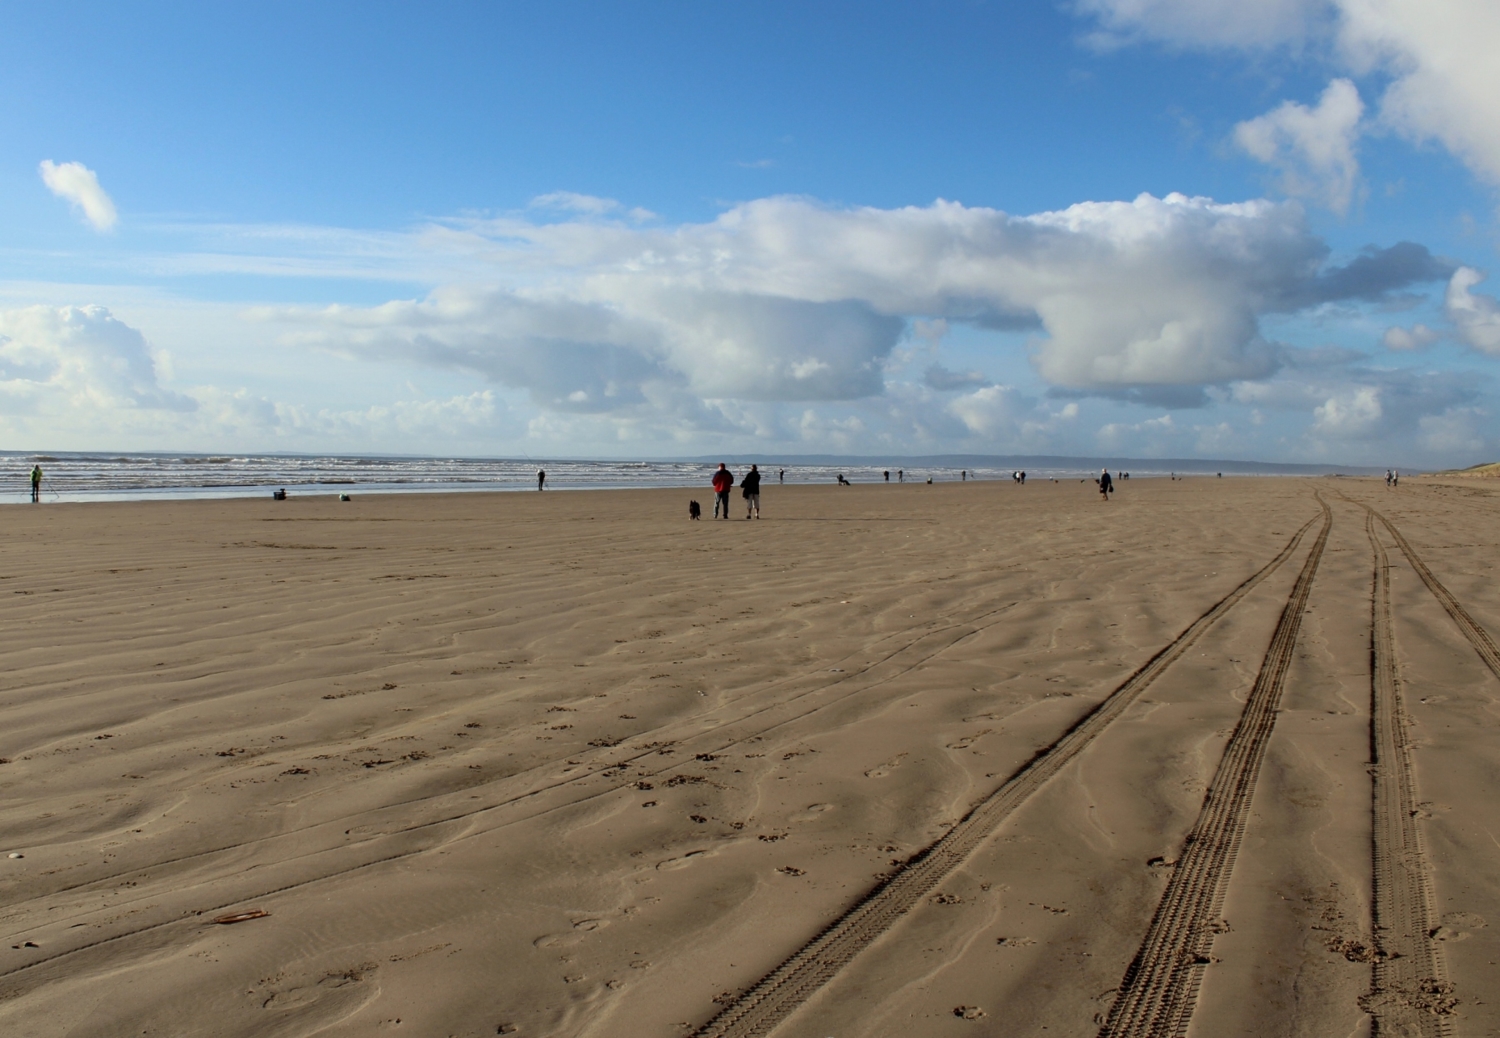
column 695, row 511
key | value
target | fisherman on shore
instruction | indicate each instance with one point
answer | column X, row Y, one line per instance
column 36, row 483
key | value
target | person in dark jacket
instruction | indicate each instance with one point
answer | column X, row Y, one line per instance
column 1106, row 485
column 723, row 480
column 750, row 488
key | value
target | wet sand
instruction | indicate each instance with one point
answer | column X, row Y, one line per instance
column 569, row 764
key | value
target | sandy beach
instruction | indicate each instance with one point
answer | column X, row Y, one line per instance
column 959, row 759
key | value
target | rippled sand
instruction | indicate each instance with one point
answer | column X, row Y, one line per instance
column 569, row 764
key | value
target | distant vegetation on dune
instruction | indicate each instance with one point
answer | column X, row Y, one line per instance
column 1489, row 470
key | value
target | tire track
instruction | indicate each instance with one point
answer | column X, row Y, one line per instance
column 1477, row 635
column 779, row 993
column 1160, row 988
column 1410, row 994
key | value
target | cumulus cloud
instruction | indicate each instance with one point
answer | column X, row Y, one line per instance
column 1475, row 315
column 1312, row 148
column 1354, row 413
column 940, row 378
column 785, row 300
column 1373, row 275
column 1154, row 434
column 992, row 411
column 669, row 348
column 1001, row 418
column 1417, row 337
column 80, row 185
column 1439, row 57
column 1369, row 411
column 77, row 376
column 1442, row 58
column 78, row 357
column 1457, row 431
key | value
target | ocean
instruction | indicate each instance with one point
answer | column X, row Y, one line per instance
column 69, row 476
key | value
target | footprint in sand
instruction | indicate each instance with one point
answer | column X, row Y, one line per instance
column 881, row 770
column 339, row 987
column 581, row 930
column 969, row 740
column 683, row 862
column 1456, row 926
column 812, row 811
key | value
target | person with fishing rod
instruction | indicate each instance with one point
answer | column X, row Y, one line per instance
column 36, row 483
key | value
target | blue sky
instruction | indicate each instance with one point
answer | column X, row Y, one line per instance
column 1152, row 227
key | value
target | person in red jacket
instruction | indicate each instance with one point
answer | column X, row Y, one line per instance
column 723, row 480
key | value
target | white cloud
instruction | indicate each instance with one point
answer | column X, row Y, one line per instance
column 1152, row 435
column 79, row 359
column 1417, row 337
column 1456, row 432
column 783, row 320
column 1476, row 315
column 1223, row 23
column 1214, row 439
column 1003, row 418
column 588, row 205
column 839, row 433
column 1312, row 148
column 80, row 185
column 1439, row 54
column 781, row 299
column 573, row 202
column 1352, row 414
column 991, row 412
column 76, row 377
column 1446, row 78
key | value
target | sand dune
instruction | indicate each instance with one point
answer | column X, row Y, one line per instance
column 568, row 764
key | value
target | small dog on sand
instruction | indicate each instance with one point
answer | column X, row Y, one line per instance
column 695, row 510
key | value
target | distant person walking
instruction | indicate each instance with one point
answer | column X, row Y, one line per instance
column 750, row 488
column 900, row 475
column 36, row 483
column 781, row 475
column 887, row 475
column 541, row 479
column 723, row 480
column 1106, row 485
